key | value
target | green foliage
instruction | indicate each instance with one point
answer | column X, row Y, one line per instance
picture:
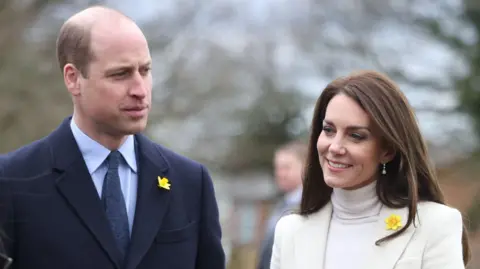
column 469, row 97
column 473, row 214
column 32, row 96
column 469, row 87
column 32, row 101
column 275, row 118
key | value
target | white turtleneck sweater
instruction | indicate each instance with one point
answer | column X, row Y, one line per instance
column 352, row 228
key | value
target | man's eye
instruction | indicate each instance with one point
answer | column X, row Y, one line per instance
column 145, row 71
column 120, row 74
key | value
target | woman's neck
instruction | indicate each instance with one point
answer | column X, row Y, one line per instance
column 356, row 205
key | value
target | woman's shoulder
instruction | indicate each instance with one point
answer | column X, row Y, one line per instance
column 427, row 208
column 294, row 221
column 290, row 222
column 432, row 212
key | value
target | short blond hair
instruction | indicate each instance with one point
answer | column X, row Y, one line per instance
column 296, row 147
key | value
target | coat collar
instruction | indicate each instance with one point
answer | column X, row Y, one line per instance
column 76, row 186
column 387, row 253
column 311, row 240
column 65, row 151
column 311, row 255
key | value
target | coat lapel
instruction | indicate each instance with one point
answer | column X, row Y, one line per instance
column 152, row 201
column 386, row 255
column 76, row 186
column 311, row 240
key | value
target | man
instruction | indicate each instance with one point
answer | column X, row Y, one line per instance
column 95, row 193
column 288, row 164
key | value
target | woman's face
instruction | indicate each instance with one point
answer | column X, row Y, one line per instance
column 349, row 151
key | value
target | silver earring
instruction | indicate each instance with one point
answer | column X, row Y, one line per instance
column 384, row 170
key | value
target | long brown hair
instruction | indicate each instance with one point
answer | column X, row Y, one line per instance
column 411, row 176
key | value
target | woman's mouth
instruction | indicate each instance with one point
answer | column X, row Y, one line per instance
column 337, row 166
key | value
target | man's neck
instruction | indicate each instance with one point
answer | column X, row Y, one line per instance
column 104, row 139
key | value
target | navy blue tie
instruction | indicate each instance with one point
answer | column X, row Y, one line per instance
column 114, row 203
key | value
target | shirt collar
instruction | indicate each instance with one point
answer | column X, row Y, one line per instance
column 95, row 154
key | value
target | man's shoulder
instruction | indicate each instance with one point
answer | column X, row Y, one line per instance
column 18, row 162
column 185, row 171
column 176, row 157
column 172, row 157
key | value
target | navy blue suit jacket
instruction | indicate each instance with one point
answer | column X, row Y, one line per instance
column 52, row 216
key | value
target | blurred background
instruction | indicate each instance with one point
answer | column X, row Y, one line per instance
column 235, row 79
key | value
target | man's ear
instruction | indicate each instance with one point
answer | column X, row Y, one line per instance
column 71, row 77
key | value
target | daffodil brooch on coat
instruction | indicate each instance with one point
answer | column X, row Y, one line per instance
column 393, row 222
column 163, row 183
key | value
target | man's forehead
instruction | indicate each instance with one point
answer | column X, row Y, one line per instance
column 112, row 61
column 107, row 41
column 111, row 27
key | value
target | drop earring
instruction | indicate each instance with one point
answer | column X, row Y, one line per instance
column 384, row 170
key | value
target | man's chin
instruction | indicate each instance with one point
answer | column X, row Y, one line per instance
column 135, row 128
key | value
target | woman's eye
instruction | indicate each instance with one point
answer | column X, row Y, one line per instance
column 327, row 129
column 357, row 136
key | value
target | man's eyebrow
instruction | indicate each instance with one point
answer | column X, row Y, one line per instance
column 121, row 66
column 118, row 67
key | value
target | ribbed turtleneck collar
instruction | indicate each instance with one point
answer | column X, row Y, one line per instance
column 358, row 205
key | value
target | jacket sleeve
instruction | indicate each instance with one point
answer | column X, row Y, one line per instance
column 444, row 244
column 210, row 250
column 6, row 223
column 275, row 262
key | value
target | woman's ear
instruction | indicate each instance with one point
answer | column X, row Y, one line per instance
column 387, row 155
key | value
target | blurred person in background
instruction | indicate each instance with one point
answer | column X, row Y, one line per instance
column 371, row 198
column 288, row 167
column 96, row 193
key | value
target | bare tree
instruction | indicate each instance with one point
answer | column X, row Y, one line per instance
column 213, row 68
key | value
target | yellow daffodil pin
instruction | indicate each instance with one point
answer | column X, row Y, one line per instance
column 163, row 183
column 393, row 222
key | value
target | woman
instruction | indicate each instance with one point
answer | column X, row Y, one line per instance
column 371, row 199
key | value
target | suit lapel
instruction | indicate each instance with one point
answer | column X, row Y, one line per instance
column 76, row 186
column 387, row 254
column 311, row 240
column 152, row 201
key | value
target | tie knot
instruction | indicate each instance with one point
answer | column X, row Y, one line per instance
column 113, row 159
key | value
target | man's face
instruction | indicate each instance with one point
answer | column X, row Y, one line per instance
column 288, row 170
column 115, row 97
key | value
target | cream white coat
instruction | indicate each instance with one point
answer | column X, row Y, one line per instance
column 433, row 243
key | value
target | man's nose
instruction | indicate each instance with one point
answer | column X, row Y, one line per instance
column 139, row 86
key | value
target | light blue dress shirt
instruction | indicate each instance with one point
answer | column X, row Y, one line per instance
column 95, row 154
